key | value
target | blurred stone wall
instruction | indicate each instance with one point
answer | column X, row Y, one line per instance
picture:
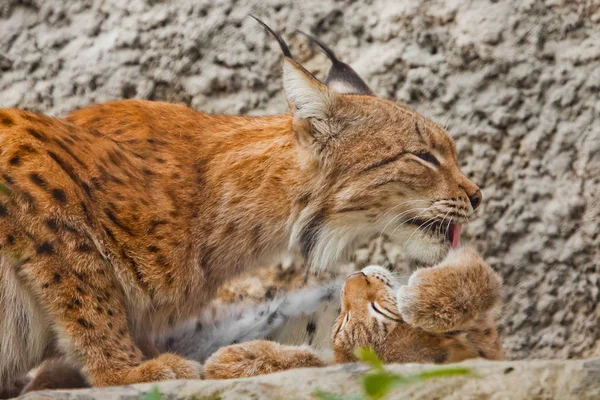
column 517, row 83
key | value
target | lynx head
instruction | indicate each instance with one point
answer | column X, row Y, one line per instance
column 377, row 167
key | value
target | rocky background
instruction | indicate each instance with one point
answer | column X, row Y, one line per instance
column 517, row 82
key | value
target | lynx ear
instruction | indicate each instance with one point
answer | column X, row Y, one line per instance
column 306, row 95
column 308, row 98
column 341, row 77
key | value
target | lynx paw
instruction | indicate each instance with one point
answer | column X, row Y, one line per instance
column 165, row 367
column 258, row 357
column 451, row 295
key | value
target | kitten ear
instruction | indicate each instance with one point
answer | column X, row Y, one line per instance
column 308, row 98
column 341, row 77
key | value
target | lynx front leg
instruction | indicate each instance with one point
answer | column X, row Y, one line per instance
column 452, row 295
column 89, row 312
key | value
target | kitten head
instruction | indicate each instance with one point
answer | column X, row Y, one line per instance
column 377, row 167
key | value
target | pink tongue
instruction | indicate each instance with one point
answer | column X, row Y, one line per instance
column 455, row 235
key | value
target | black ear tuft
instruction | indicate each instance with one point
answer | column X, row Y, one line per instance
column 284, row 47
column 341, row 77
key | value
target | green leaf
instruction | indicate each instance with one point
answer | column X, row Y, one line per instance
column 368, row 356
column 330, row 396
column 153, row 395
column 439, row 373
column 377, row 385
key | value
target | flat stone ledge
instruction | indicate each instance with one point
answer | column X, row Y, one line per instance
column 536, row 379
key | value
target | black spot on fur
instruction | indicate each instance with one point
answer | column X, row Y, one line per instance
column 36, row 134
column 270, row 293
column 153, row 249
column 111, row 216
column 487, row 331
column 46, row 285
column 87, row 188
column 44, row 248
column 59, row 195
column 84, row 248
column 57, row 277
column 69, row 152
column 8, row 179
column 15, row 160
column 148, row 172
column 109, row 233
column 86, row 212
column 156, row 141
column 95, row 133
column 6, row 120
column 110, row 312
column 76, row 301
column 199, row 326
column 80, row 290
column 162, row 260
column 310, row 234
column 3, row 210
column 35, row 118
column 10, row 240
column 311, row 327
column 114, row 157
column 154, row 224
column 27, row 149
column 85, row 323
column 38, row 180
column 52, row 224
column 69, row 141
column 65, row 167
column 272, row 317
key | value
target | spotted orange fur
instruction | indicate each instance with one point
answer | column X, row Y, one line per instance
column 124, row 218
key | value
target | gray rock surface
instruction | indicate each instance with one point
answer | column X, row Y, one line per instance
column 517, row 380
column 517, row 82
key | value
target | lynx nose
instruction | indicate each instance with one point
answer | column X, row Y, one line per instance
column 475, row 199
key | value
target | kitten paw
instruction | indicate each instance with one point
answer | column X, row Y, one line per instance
column 451, row 295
